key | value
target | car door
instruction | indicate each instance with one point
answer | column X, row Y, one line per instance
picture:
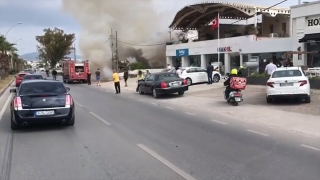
column 193, row 75
column 148, row 83
column 203, row 76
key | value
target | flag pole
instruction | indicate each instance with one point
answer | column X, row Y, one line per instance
column 218, row 19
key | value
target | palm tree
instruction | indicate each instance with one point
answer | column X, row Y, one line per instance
column 7, row 49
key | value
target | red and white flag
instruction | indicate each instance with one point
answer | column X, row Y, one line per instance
column 215, row 23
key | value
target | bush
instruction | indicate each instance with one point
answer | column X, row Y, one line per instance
column 259, row 75
column 13, row 71
column 137, row 65
column 317, row 77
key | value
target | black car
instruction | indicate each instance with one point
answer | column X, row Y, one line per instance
column 162, row 83
column 41, row 101
column 32, row 77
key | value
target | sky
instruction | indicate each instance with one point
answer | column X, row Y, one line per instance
column 36, row 15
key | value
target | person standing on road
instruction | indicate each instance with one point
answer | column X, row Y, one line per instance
column 98, row 77
column 125, row 77
column 54, row 74
column 270, row 68
column 179, row 72
column 89, row 77
column 209, row 73
column 116, row 80
column 140, row 77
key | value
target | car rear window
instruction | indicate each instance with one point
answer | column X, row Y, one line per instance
column 21, row 75
column 33, row 77
column 163, row 77
column 286, row 73
column 42, row 88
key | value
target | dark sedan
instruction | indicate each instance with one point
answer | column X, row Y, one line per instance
column 163, row 83
column 32, row 77
column 41, row 101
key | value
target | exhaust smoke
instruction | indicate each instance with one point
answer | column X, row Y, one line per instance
column 136, row 22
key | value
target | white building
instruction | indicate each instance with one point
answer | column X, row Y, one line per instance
column 238, row 43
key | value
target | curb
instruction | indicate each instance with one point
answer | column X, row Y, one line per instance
column 6, row 87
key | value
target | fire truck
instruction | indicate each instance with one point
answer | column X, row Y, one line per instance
column 74, row 71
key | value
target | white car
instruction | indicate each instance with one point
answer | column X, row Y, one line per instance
column 197, row 75
column 288, row 82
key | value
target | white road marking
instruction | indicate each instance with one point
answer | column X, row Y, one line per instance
column 154, row 103
column 310, row 147
column 78, row 104
column 190, row 113
column 5, row 105
column 100, row 118
column 257, row 132
column 169, row 107
column 166, row 162
column 219, row 122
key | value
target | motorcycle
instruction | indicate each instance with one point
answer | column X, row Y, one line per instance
column 235, row 97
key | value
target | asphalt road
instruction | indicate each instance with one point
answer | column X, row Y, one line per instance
column 120, row 138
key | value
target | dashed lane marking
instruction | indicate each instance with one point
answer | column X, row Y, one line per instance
column 309, row 147
column 190, row 113
column 100, row 118
column 219, row 122
column 154, row 103
column 78, row 104
column 256, row 132
column 5, row 105
column 166, row 162
column 169, row 107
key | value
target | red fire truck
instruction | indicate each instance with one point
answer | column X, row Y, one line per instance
column 74, row 71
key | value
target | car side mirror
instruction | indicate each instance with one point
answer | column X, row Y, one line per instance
column 67, row 89
column 13, row 90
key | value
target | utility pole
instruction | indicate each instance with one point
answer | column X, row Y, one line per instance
column 74, row 52
column 112, row 60
column 117, row 57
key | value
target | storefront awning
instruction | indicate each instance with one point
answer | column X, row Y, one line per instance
column 310, row 38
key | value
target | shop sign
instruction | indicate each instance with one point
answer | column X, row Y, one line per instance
column 182, row 52
column 224, row 49
column 313, row 22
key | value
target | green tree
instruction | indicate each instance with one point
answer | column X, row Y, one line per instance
column 7, row 50
column 137, row 65
column 54, row 45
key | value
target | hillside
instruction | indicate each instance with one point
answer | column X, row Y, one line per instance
column 34, row 55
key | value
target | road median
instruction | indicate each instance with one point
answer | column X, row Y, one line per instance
column 5, row 84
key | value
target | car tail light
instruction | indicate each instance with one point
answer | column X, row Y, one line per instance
column 163, row 85
column 270, row 84
column 68, row 100
column 17, row 103
column 185, row 82
column 304, row 82
column 237, row 94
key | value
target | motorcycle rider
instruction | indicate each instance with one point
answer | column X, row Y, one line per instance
column 233, row 73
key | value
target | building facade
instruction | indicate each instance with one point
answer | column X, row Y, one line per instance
column 282, row 33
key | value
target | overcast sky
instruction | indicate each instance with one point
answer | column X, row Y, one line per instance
column 39, row 14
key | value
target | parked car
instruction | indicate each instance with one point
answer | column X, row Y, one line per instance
column 163, row 83
column 19, row 77
column 32, row 77
column 288, row 82
column 196, row 75
column 29, row 71
column 41, row 101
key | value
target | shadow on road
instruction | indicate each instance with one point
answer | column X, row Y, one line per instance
column 42, row 127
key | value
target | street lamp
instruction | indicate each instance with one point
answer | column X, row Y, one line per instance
column 17, row 41
column 11, row 28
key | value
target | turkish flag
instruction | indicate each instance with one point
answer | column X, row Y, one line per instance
column 215, row 23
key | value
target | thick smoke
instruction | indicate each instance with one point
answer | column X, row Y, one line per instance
column 136, row 22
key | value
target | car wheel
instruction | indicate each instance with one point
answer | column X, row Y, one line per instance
column 216, row 78
column 269, row 100
column 139, row 90
column 71, row 122
column 307, row 100
column 189, row 81
column 181, row 93
column 154, row 93
column 14, row 126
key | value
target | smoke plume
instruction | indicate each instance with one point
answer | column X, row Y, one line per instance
column 136, row 22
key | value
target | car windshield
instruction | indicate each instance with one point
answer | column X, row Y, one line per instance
column 286, row 73
column 163, row 77
column 28, row 77
column 42, row 87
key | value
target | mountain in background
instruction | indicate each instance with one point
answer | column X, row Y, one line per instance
column 34, row 55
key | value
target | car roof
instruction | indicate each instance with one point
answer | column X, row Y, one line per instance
column 41, row 80
column 287, row 68
column 162, row 73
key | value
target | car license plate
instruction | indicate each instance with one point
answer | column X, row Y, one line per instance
column 286, row 84
column 44, row 113
column 237, row 99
